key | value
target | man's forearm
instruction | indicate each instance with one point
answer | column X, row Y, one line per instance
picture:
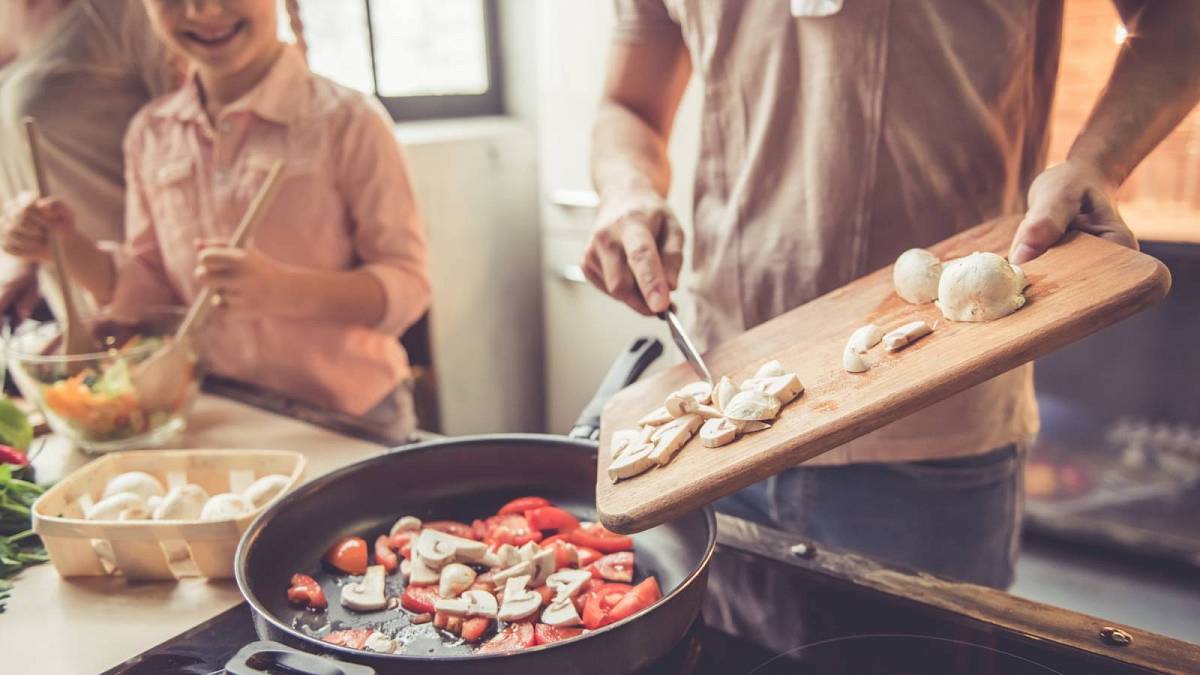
column 628, row 155
column 1154, row 84
column 88, row 265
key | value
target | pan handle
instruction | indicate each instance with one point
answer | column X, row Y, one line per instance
column 625, row 370
column 266, row 656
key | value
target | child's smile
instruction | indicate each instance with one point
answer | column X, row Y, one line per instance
column 214, row 37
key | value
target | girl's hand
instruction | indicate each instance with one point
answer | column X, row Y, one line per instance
column 244, row 279
column 28, row 222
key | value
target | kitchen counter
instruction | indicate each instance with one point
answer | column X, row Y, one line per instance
column 101, row 621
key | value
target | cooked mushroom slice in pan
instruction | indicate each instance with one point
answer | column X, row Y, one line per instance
column 366, row 595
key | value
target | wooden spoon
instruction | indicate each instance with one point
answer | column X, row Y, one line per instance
column 160, row 378
column 76, row 338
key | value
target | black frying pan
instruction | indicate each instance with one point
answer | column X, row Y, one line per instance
column 463, row 479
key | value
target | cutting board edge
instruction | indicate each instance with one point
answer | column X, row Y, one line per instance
column 1150, row 289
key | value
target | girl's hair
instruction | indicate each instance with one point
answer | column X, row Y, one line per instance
column 297, row 24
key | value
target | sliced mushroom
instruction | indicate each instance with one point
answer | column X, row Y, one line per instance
column 438, row 548
column 470, row 603
column 568, row 581
column 519, row 602
column 543, row 563
column 699, row 390
column 139, row 483
column 380, row 644
column 852, row 361
column 751, row 426
column 723, row 392
column 769, row 369
column 905, row 335
column 421, row 574
column 524, row 568
column 691, row 421
column 528, row 551
column 405, row 570
column 262, row 491
column 708, row 412
column 674, row 437
column 655, row 417
column 784, row 387
column 717, row 432
column 507, row 555
column 366, row 595
column 455, row 578
column 405, row 524
column 865, row 337
column 633, row 462
column 621, row 440
column 561, row 612
column 752, row 404
column 678, row 405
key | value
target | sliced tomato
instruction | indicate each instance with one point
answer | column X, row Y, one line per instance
column 547, row 594
column 551, row 539
column 565, row 554
column 384, row 555
column 614, row 567
column 587, row 556
column 514, row 636
column 642, row 596
column 402, row 543
column 354, row 638
column 452, row 527
column 596, row 536
column 475, row 627
column 479, row 529
column 544, row 634
column 419, row 599
column 448, row 622
column 348, row 554
column 522, row 504
column 307, row 592
column 600, row 602
column 510, row 529
column 551, row 518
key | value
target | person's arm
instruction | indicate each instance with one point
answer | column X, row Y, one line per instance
column 389, row 291
column 636, row 250
column 1155, row 82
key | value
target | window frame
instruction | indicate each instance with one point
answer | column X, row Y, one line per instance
column 450, row 106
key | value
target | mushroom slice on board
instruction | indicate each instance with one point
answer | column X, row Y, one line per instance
column 674, row 438
column 690, row 421
column 622, row 440
column 752, row 404
column 905, row 335
column 655, row 417
column 633, row 462
column 677, row 405
column 852, row 361
column 699, row 390
column 864, row 337
column 366, row 595
column 769, row 369
column 717, row 432
column 723, row 392
column 751, row 426
column 784, row 387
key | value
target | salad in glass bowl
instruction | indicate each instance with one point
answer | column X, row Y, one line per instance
column 92, row 399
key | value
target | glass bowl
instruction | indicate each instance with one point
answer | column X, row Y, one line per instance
column 92, row 399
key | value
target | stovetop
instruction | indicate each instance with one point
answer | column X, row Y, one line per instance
column 816, row 611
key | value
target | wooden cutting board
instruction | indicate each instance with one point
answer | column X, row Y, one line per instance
column 1078, row 287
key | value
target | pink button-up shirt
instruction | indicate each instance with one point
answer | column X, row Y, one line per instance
column 345, row 203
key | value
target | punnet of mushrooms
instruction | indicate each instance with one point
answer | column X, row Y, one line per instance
column 915, row 276
column 980, row 287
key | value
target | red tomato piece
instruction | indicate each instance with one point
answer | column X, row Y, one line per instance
column 452, row 527
column 479, row 529
column 565, row 554
column 547, row 594
column 354, row 638
column 384, row 555
column 587, row 556
column 419, row 599
column 544, row 634
column 551, row 518
column 402, row 543
column 307, row 592
column 510, row 529
column 614, row 567
column 522, row 504
column 642, row 596
column 597, row 537
column 474, row 628
column 551, row 539
column 585, row 592
column 348, row 554
column 514, row 636
column 600, row 602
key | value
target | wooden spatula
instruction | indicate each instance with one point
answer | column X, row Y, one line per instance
column 160, row 377
column 76, row 338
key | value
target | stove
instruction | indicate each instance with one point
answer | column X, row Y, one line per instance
column 826, row 612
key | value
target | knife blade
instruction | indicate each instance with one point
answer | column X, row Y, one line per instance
column 680, row 336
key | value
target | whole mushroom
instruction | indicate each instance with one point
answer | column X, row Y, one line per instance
column 185, row 502
column 980, row 287
column 139, row 483
column 224, row 506
column 915, row 276
column 263, row 490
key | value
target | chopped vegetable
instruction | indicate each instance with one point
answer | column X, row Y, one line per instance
column 15, row 429
column 307, row 592
column 419, row 599
column 597, row 537
column 614, row 567
column 544, row 634
column 522, row 504
column 348, row 554
column 551, row 518
column 384, row 555
column 514, row 636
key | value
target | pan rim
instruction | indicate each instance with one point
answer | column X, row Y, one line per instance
column 257, row 525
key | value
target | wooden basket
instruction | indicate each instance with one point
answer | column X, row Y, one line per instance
column 140, row 548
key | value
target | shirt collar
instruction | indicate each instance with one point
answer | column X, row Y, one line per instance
column 279, row 97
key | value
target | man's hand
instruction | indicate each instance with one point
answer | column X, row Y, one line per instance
column 1071, row 195
column 636, row 252
column 27, row 225
column 244, row 279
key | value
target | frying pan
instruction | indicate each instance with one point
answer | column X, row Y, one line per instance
column 463, row 479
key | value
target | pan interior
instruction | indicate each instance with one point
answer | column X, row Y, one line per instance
column 452, row 480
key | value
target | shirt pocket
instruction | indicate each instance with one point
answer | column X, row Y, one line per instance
column 174, row 202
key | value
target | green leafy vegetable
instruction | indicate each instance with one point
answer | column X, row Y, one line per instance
column 14, row 426
column 19, row 546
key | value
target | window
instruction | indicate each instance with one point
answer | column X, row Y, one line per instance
column 422, row 58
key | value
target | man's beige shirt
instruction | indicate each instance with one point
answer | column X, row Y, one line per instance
column 830, row 144
column 96, row 65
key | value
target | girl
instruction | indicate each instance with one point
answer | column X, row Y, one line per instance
column 337, row 269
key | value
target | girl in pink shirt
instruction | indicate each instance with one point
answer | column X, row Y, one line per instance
column 337, row 268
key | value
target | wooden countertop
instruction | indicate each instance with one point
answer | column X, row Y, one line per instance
column 103, row 621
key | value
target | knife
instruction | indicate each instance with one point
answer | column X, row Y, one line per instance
column 685, row 344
